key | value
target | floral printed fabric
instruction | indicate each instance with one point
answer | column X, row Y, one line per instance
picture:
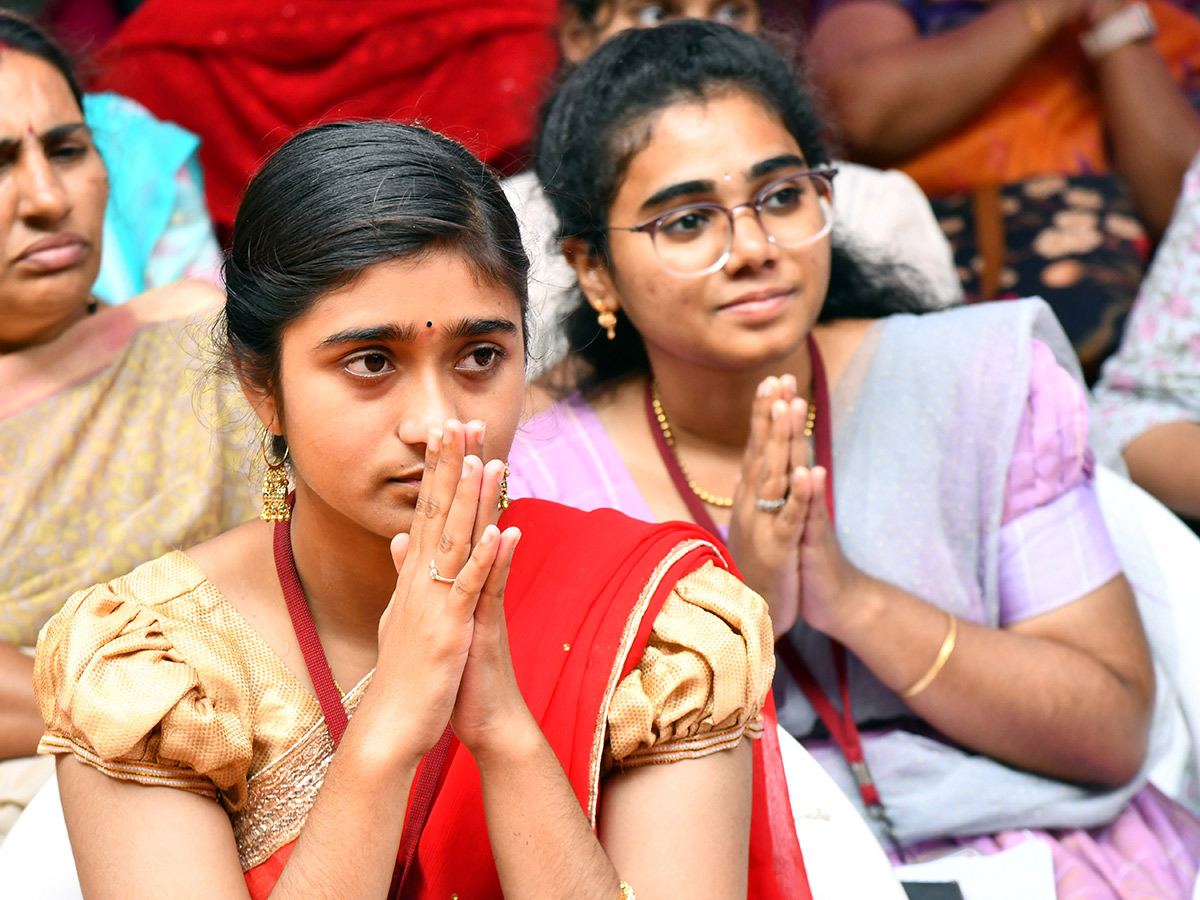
column 1072, row 240
column 1155, row 377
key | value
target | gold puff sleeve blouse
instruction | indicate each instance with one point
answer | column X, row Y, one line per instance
column 156, row 678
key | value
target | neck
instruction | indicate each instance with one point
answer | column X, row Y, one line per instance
column 347, row 572
column 715, row 404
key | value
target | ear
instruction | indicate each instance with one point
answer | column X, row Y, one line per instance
column 592, row 274
column 576, row 38
column 261, row 401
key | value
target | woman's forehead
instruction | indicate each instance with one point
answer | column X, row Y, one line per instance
column 706, row 140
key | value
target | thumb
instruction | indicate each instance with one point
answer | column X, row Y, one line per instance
column 399, row 550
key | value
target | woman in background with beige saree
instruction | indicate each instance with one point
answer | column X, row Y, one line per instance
column 112, row 446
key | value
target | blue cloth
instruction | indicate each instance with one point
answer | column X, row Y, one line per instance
column 143, row 156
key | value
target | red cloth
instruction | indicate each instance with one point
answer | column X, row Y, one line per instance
column 577, row 580
column 247, row 76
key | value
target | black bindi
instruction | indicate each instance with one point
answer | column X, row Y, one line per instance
column 428, row 324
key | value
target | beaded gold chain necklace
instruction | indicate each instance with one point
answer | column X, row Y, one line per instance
column 665, row 427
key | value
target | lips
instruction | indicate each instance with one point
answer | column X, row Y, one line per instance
column 410, row 478
column 54, row 253
column 754, row 303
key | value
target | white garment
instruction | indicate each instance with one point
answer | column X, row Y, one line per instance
column 883, row 212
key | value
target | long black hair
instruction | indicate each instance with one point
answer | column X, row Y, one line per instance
column 339, row 198
column 600, row 117
column 23, row 36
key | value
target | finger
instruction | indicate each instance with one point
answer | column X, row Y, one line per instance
column 772, row 480
column 399, row 550
column 444, row 476
column 760, row 427
column 489, row 497
column 464, row 593
column 816, row 523
column 790, row 521
column 490, row 609
column 787, row 386
column 474, row 431
column 799, row 450
column 454, row 544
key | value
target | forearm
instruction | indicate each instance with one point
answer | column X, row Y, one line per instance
column 1030, row 702
column 20, row 722
column 896, row 100
column 1155, row 132
column 542, row 842
column 351, row 838
column 1166, row 462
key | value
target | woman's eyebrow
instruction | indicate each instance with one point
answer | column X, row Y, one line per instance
column 390, row 332
column 683, row 189
column 57, row 133
column 774, row 164
column 464, row 328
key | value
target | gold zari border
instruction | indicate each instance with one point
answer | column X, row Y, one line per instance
column 632, row 624
column 142, row 773
column 695, row 747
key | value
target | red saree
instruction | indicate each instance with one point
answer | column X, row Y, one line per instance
column 592, row 582
column 247, row 76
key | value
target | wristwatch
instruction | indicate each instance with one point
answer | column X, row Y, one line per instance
column 1133, row 22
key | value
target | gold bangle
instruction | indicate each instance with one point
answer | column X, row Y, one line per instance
column 627, row 892
column 1033, row 15
column 944, row 654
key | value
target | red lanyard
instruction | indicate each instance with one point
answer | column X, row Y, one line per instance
column 842, row 728
column 425, row 784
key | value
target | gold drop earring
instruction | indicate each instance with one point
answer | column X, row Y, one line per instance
column 503, row 503
column 275, row 507
column 607, row 319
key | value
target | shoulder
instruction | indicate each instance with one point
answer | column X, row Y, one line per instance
column 703, row 678
column 140, row 677
column 564, row 453
column 178, row 301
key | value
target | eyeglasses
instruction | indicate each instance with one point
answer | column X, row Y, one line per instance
column 697, row 238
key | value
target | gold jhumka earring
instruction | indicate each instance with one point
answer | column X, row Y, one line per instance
column 607, row 319
column 275, row 506
column 503, row 504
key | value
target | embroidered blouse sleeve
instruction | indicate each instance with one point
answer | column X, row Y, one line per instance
column 116, row 692
column 703, row 677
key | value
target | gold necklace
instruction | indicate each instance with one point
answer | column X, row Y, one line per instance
column 665, row 427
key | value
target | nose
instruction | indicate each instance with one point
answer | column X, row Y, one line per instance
column 42, row 195
column 749, row 245
column 427, row 403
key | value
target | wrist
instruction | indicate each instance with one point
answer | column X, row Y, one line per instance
column 864, row 607
column 1115, row 26
column 511, row 742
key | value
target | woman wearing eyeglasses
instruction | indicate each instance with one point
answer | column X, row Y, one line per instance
column 956, row 642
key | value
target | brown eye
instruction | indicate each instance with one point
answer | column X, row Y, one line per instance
column 369, row 365
column 481, row 359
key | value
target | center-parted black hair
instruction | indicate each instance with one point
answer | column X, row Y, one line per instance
column 339, row 198
column 22, row 35
column 602, row 115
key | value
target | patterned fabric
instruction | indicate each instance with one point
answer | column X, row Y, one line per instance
column 115, row 446
column 156, row 678
column 1155, row 377
column 1075, row 241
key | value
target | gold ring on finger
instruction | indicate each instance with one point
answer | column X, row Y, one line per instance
column 433, row 573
